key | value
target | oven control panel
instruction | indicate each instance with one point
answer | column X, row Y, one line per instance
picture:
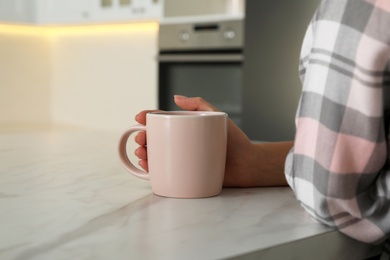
column 227, row 34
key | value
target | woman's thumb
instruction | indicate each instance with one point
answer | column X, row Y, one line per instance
column 193, row 103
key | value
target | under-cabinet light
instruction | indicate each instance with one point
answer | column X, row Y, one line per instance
column 78, row 29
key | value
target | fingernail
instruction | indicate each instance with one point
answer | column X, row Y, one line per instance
column 179, row 97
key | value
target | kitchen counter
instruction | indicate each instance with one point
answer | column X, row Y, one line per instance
column 65, row 195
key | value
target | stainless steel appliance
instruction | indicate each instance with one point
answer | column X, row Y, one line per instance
column 202, row 59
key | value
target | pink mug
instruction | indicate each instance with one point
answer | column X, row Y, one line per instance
column 186, row 153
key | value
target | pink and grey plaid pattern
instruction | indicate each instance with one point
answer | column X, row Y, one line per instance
column 339, row 166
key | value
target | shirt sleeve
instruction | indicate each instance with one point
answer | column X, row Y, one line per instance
column 339, row 166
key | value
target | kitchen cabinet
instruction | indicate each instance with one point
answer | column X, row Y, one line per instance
column 45, row 12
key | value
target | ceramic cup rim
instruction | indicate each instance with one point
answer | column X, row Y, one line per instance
column 186, row 113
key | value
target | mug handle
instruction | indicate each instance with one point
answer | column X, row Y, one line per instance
column 123, row 152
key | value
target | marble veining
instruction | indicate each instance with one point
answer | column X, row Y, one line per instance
column 65, row 195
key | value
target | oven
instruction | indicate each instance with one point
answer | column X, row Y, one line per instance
column 202, row 59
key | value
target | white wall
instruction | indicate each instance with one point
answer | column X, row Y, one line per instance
column 92, row 76
column 101, row 79
column 24, row 77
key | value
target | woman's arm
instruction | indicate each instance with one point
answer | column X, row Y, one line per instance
column 339, row 166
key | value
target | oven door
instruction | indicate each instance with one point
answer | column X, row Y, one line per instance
column 216, row 77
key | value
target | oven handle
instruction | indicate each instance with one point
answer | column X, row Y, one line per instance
column 201, row 58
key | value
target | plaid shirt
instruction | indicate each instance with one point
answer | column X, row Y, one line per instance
column 339, row 166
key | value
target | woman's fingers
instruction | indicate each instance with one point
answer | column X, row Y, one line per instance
column 193, row 104
column 141, row 116
column 144, row 164
column 140, row 138
column 141, row 153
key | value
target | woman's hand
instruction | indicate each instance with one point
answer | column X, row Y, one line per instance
column 246, row 163
column 237, row 150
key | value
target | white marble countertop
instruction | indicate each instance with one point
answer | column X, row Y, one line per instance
column 65, row 195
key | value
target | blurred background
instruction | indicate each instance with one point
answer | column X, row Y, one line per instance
column 96, row 63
